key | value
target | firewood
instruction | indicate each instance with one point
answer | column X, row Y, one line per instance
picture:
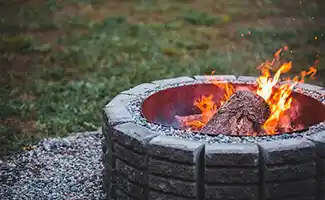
column 242, row 114
column 184, row 119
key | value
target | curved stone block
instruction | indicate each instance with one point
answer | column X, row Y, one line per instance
column 231, row 155
column 216, row 77
column 289, row 168
column 171, row 81
column 174, row 166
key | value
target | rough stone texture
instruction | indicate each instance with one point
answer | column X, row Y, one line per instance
column 247, row 78
column 173, row 186
column 230, row 192
column 231, row 171
column 116, row 110
column 231, row 155
column 319, row 140
column 290, row 172
column 174, row 149
column 288, row 151
column 216, row 77
column 289, row 168
column 169, row 169
column 140, row 164
column 162, row 196
column 125, row 160
column 133, row 136
column 231, row 175
column 174, row 165
column 170, row 81
column 311, row 87
column 295, row 188
column 109, row 179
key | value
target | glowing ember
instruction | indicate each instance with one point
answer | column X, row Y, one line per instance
column 277, row 96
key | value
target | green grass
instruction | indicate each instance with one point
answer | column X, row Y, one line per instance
column 69, row 79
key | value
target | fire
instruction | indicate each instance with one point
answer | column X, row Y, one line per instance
column 207, row 107
column 276, row 94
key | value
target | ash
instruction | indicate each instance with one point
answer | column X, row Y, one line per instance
column 135, row 109
column 66, row 168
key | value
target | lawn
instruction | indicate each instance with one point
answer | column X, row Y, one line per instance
column 62, row 60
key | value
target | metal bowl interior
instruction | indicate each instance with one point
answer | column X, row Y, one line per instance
column 162, row 106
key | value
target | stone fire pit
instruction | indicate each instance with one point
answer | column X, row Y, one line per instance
column 148, row 157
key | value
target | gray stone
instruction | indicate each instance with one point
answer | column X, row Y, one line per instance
column 116, row 112
column 307, row 86
column 131, row 173
column 294, row 188
column 231, row 192
column 173, row 186
column 231, row 155
column 319, row 140
column 140, row 89
column 175, row 149
column 169, row 169
column 130, row 188
column 107, row 131
column 163, row 196
column 120, row 195
column 104, row 145
column 171, row 81
column 232, row 175
column 216, row 77
column 290, row 172
column 113, row 115
column 109, row 180
column 247, row 78
column 133, row 136
column 288, row 151
column 320, row 178
column 135, row 159
column 109, row 158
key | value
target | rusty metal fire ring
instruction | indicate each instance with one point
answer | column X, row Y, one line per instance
column 148, row 161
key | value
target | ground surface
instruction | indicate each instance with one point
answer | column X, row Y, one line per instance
column 64, row 168
column 62, row 60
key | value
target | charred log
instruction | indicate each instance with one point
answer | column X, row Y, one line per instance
column 243, row 114
column 184, row 119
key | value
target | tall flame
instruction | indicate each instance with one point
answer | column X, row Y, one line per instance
column 278, row 96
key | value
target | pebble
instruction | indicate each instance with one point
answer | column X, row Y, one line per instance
column 58, row 168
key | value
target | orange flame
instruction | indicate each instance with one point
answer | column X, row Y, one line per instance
column 277, row 96
column 207, row 107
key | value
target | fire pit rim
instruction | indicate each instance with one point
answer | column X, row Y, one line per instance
column 223, row 81
column 135, row 96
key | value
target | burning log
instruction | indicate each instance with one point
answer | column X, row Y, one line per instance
column 184, row 119
column 243, row 114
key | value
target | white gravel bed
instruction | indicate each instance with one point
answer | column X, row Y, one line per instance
column 60, row 168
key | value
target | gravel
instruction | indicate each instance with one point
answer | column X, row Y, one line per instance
column 58, row 168
column 134, row 108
